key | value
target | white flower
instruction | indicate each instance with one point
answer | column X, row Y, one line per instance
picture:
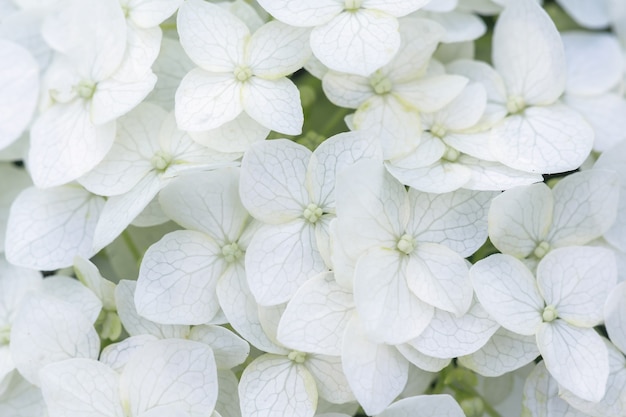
column 238, row 71
column 292, row 191
column 353, row 36
column 408, row 249
column 560, row 308
column 165, row 377
column 540, row 134
column 530, row 221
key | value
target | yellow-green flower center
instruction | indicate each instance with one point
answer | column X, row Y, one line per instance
column 296, row 356
column 542, row 249
column 242, row 74
column 406, row 244
column 232, row 252
column 549, row 314
column 380, row 83
column 312, row 213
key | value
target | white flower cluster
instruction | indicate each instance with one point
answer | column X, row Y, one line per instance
column 412, row 262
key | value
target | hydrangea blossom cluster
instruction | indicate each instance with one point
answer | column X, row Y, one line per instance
column 312, row 209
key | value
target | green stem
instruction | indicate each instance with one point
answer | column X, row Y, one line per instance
column 134, row 251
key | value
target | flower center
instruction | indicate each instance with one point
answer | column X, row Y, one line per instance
column 297, row 357
column 5, row 335
column 406, row 244
column 242, row 74
column 451, row 154
column 312, row 213
column 549, row 314
column 352, row 5
column 160, row 161
column 515, row 104
column 542, row 249
column 232, row 252
column 380, row 83
column 85, row 89
column 438, row 130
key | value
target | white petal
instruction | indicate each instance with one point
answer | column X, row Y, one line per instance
column 594, row 62
column 456, row 220
column 420, row 38
column 9, row 190
column 448, row 336
column 48, row 228
column 229, row 349
column 277, row 50
column 494, row 176
column 520, row 218
column 81, row 387
column 331, row 382
column 422, row 361
column 18, row 95
column 541, row 396
column 592, row 15
column 377, row 373
column 442, row 405
column 396, row 8
column 242, row 310
column 528, row 53
column 234, row 136
column 177, row 279
column 206, row 100
column 171, row 65
column 75, row 293
column 465, row 110
column 116, row 355
column 303, row 13
column 577, row 358
column 114, row 98
column 120, row 210
column 504, row 352
column 135, row 324
column 614, row 161
column 228, row 396
column 372, row 208
column 172, row 372
column 615, row 316
column 440, row 177
column 272, row 184
column 136, row 141
column 543, row 140
column 396, row 125
column 207, row 202
column 577, row 281
column 280, row 258
column 316, row 317
column 390, row 312
column 275, row 104
column 439, row 276
column 460, row 27
column 604, row 114
column 48, row 330
column 613, row 404
column 65, row 144
column 431, row 94
column 357, row 42
column 212, row 37
column 91, row 33
column 274, row 385
column 585, row 206
column 507, row 290
column 346, row 90
column 151, row 12
column 334, row 155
